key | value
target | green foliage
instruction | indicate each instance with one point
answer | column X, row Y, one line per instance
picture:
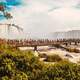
column 20, row 76
column 23, row 65
column 53, row 58
column 63, row 70
column 18, row 65
column 43, row 55
column 4, row 78
column 73, row 50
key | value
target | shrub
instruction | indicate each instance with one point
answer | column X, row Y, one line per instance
column 43, row 55
column 53, row 58
column 73, row 50
column 18, row 65
column 4, row 78
column 20, row 76
column 63, row 70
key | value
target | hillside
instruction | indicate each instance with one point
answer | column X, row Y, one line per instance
column 68, row 34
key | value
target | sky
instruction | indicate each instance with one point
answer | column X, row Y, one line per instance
column 39, row 18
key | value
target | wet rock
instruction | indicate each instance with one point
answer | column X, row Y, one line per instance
column 68, row 55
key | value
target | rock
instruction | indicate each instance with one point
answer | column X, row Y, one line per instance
column 68, row 55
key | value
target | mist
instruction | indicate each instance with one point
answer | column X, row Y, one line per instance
column 40, row 18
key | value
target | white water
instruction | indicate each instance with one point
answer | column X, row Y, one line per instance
column 73, row 57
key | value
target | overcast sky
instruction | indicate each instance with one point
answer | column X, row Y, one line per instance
column 40, row 17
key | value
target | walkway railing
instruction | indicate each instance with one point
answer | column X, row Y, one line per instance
column 43, row 42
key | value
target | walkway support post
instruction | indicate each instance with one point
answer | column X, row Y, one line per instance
column 35, row 48
column 75, row 43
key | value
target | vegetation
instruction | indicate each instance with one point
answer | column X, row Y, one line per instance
column 18, row 65
column 43, row 55
column 53, row 58
column 73, row 50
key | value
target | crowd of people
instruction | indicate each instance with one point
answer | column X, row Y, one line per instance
column 28, row 42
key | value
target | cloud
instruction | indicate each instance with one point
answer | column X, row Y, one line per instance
column 66, row 19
